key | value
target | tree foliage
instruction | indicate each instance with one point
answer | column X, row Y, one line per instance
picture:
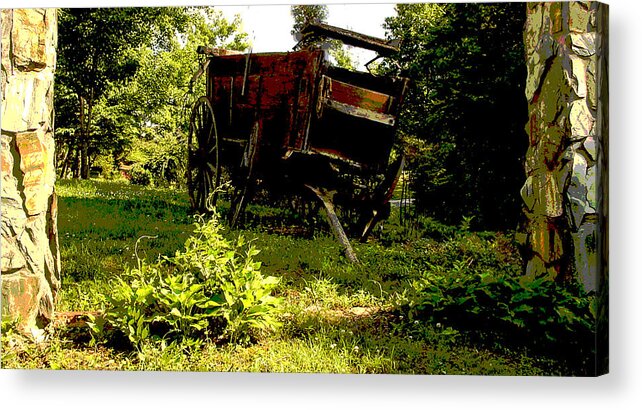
column 122, row 79
column 158, row 98
column 95, row 49
column 464, row 115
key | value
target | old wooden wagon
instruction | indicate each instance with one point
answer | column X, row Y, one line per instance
column 293, row 122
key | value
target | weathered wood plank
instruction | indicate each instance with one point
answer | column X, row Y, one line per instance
column 350, row 37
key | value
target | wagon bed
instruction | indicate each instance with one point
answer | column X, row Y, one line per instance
column 293, row 120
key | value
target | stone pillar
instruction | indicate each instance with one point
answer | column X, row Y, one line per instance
column 564, row 195
column 30, row 255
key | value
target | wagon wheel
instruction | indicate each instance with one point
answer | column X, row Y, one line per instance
column 203, row 167
column 245, row 177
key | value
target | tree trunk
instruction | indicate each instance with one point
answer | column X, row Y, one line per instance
column 30, row 255
column 65, row 162
column 75, row 163
column 84, row 159
column 84, row 138
column 86, row 108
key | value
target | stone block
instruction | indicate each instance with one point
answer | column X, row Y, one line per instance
column 579, row 75
column 551, row 145
column 532, row 28
column 12, row 259
column 548, row 198
column 537, row 267
column 592, row 188
column 591, row 85
column 7, row 23
column 531, row 165
column 581, row 192
column 555, row 15
column 52, row 260
column 29, row 39
column 545, row 240
column 585, row 255
column 583, row 44
column 51, row 44
column 528, row 194
column 537, row 62
column 7, row 156
column 579, row 16
column 555, row 87
column 12, row 209
column 33, row 90
column 20, row 293
column 37, row 169
column 590, row 147
column 581, row 120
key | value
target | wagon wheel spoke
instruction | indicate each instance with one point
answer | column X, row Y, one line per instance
column 213, row 148
column 208, row 177
column 209, row 125
column 203, row 137
column 205, row 188
column 203, row 171
column 198, row 190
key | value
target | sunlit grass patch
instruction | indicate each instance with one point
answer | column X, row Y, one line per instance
column 99, row 223
column 337, row 317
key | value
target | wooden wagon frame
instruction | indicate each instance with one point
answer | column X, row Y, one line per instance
column 292, row 121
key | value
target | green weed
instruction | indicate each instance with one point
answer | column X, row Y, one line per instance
column 188, row 295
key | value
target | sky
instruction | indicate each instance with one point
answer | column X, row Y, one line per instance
column 269, row 26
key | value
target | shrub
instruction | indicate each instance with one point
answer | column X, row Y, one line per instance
column 160, row 161
column 535, row 312
column 108, row 170
column 212, row 288
column 140, row 175
column 166, row 161
column 417, row 226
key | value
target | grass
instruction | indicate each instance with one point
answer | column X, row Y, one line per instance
column 338, row 317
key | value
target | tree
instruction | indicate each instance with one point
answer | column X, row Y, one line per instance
column 152, row 105
column 306, row 14
column 318, row 13
column 95, row 49
column 134, row 88
column 464, row 114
